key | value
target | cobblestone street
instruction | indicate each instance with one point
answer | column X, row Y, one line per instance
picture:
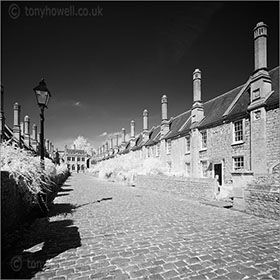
column 104, row 230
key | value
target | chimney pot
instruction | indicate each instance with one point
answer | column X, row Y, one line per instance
column 164, row 108
column 260, row 45
column 145, row 120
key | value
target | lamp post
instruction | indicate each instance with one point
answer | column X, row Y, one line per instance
column 42, row 95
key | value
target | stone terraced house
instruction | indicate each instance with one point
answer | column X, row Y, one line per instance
column 238, row 132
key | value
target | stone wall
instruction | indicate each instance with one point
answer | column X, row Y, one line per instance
column 17, row 202
column 273, row 137
column 201, row 189
column 263, row 200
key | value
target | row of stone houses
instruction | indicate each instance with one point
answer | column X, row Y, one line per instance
column 21, row 133
column 236, row 132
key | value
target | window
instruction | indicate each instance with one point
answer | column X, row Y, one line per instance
column 83, row 159
column 188, row 169
column 204, row 167
column 73, row 167
column 238, row 163
column 238, row 131
column 168, row 147
column 204, row 139
column 188, row 143
column 158, row 149
column 169, row 163
column 78, row 159
column 68, row 158
column 148, row 152
column 73, row 159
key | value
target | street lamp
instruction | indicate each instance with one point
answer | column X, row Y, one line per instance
column 43, row 96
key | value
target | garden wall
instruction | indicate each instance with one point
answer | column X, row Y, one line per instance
column 201, row 189
column 17, row 201
column 262, row 200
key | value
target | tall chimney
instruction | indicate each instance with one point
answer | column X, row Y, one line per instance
column 132, row 129
column 16, row 127
column 123, row 135
column 22, row 128
column 164, row 118
column 260, row 81
column 2, row 117
column 197, row 108
column 145, row 120
column 196, row 85
column 34, row 137
column 27, row 130
column 260, row 38
column 164, row 108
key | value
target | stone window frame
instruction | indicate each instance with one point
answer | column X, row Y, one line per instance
column 187, row 144
column 188, row 169
column 168, row 146
column 157, row 149
column 204, row 168
column 238, row 162
column 234, row 141
column 203, row 140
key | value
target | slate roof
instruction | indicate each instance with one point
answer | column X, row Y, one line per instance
column 153, row 136
column 215, row 109
column 75, row 152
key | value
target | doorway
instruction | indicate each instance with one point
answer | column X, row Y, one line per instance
column 218, row 172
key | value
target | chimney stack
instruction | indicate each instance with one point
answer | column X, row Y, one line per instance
column 164, row 118
column 27, row 130
column 34, row 137
column 145, row 120
column 16, row 127
column 197, row 108
column 261, row 81
column 123, row 135
column 260, row 38
column 132, row 129
column 196, row 85
column 164, row 108
column 2, row 117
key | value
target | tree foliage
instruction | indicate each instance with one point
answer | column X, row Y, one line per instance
column 81, row 143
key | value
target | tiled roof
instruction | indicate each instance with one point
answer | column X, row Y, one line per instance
column 177, row 123
column 214, row 109
column 154, row 136
column 70, row 152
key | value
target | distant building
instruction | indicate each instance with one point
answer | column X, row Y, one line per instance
column 236, row 132
column 76, row 160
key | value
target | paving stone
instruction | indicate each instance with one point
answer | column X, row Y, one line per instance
column 134, row 234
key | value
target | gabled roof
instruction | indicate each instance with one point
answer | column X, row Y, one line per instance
column 70, row 152
column 178, row 125
column 154, row 136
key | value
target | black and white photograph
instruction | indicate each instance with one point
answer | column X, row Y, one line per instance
column 140, row 140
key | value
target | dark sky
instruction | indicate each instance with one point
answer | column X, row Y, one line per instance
column 103, row 71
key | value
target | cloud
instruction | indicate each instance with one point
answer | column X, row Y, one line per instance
column 77, row 103
column 103, row 134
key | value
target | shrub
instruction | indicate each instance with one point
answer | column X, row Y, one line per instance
column 126, row 167
column 23, row 166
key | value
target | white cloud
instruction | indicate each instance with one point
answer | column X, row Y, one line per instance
column 103, row 134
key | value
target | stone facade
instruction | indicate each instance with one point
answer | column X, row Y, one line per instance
column 76, row 160
column 227, row 138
